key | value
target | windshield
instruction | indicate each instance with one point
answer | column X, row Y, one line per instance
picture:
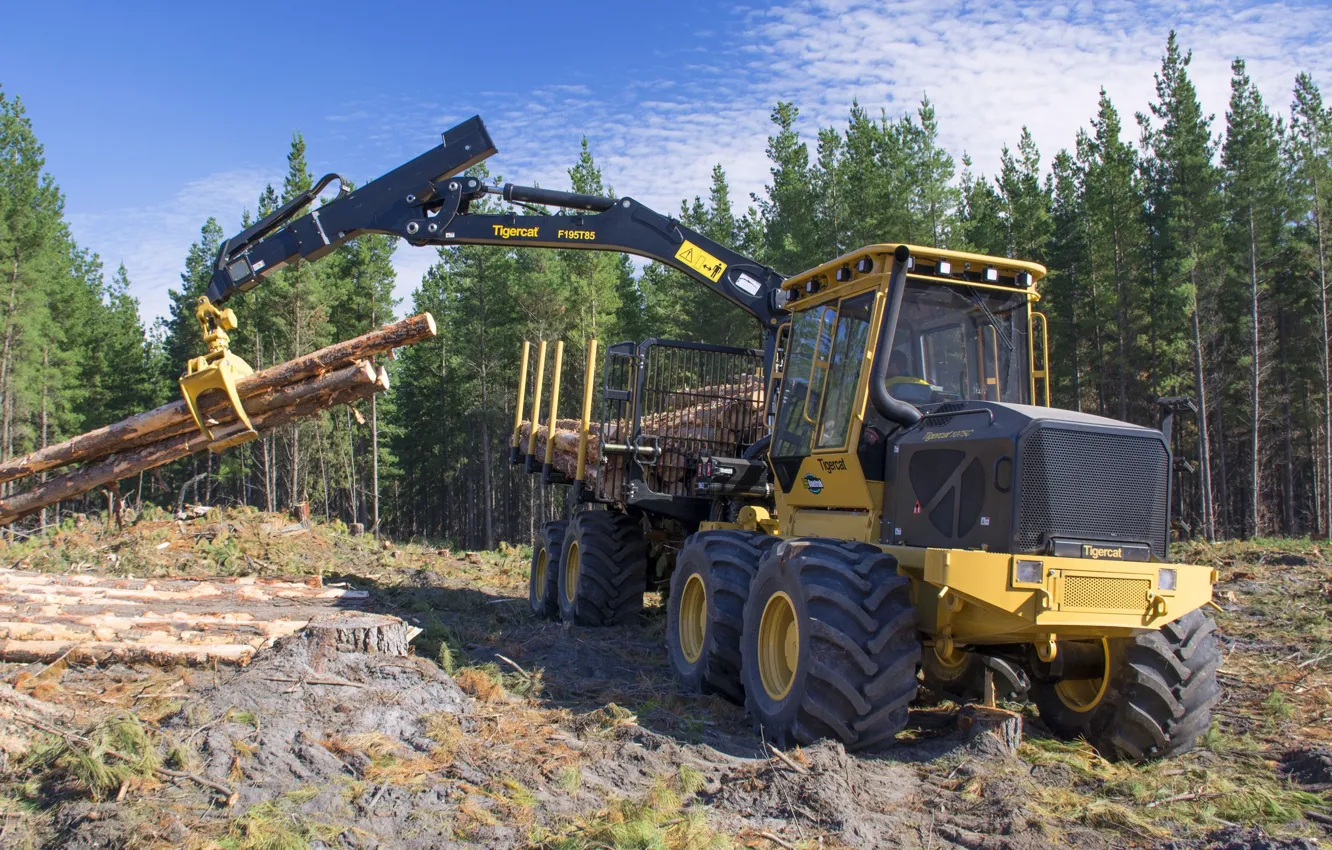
column 963, row 342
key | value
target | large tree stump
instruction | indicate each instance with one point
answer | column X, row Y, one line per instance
column 356, row 632
column 991, row 732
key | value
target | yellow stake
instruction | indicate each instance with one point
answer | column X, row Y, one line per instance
column 584, row 424
column 522, row 391
column 536, row 398
column 554, row 401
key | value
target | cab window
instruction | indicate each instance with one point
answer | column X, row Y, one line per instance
column 848, row 356
column 802, row 383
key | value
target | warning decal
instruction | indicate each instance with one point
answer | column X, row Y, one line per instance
column 700, row 261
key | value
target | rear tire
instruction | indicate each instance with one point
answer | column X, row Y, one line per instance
column 1158, row 698
column 543, row 581
column 603, row 569
column 831, row 645
column 708, row 589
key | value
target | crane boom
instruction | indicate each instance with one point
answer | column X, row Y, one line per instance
column 428, row 200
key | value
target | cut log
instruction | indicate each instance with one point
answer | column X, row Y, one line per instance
column 126, row 464
column 87, row 618
column 270, row 384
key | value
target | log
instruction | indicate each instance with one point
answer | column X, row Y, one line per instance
column 125, row 464
column 991, row 732
column 154, row 425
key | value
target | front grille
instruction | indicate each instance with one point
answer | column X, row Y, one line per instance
column 1100, row 592
column 1092, row 486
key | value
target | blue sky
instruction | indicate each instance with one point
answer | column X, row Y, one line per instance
column 156, row 116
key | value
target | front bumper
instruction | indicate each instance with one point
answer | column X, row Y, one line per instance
column 982, row 597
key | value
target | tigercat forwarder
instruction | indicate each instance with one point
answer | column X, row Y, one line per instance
column 886, row 490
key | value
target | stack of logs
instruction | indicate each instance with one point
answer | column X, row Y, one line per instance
column 339, row 374
column 727, row 418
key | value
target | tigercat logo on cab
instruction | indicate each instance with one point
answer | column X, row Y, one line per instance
column 838, row 465
column 509, row 232
column 1096, row 552
column 577, row 235
column 944, row 435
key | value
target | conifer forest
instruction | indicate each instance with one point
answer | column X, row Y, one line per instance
column 1188, row 256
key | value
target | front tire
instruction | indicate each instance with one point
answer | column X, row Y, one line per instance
column 831, row 645
column 603, row 569
column 543, row 581
column 1156, row 701
column 706, row 609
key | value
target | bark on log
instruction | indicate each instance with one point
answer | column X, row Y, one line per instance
column 126, row 464
column 154, row 425
column 991, row 732
column 378, row 634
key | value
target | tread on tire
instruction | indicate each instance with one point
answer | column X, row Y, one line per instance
column 544, row 601
column 726, row 561
column 1159, row 699
column 612, row 569
column 859, row 644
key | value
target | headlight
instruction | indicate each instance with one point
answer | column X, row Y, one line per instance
column 1030, row 572
column 1166, row 579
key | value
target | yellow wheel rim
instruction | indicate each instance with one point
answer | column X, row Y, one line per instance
column 1082, row 695
column 571, row 573
column 778, row 646
column 539, row 580
column 693, row 623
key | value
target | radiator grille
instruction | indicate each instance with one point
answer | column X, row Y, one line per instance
column 1093, row 486
column 1100, row 592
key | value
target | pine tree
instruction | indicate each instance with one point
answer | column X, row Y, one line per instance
column 1256, row 216
column 1025, row 201
column 1186, row 209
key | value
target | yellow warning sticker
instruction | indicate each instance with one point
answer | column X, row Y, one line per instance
column 700, row 261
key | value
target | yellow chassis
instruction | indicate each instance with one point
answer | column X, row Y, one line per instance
column 973, row 598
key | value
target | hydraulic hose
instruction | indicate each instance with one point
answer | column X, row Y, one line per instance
column 889, row 406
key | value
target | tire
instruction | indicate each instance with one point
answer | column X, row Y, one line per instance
column 1158, row 698
column 965, row 682
column 721, row 564
column 856, row 650
column 603, row 569
column 543, row 580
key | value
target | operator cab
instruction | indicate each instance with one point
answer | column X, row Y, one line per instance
column 964, row 333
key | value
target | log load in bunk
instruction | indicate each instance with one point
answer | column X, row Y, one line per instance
column 714, row 420
column 339, row 374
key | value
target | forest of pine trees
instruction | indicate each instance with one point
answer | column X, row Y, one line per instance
column 1188, row 256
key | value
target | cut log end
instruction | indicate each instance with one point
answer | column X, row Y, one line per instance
column 991, row 732
column 376, row 634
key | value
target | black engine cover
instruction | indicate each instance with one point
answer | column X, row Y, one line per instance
column 1018, row 478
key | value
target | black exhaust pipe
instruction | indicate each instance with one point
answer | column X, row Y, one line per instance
column 889, row 406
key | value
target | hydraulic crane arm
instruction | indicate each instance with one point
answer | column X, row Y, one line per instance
column 427, row 202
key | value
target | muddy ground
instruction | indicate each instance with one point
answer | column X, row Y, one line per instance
column 502, row 731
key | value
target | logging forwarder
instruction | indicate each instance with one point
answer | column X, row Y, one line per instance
column 827, row 529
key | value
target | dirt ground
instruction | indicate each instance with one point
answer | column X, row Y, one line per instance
column 502, row 731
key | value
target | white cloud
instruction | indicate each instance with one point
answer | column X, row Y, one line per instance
column 152, row 241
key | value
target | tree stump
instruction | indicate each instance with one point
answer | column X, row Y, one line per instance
column 301, row 511
column 377, row 634
column 356, row 529
column 991, row 732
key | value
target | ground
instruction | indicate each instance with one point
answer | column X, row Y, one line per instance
column 502, row 731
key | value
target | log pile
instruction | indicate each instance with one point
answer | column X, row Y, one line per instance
column 80, row 617
column 712, row 420
column 339, row 374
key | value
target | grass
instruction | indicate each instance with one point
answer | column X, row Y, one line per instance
column 656, row 821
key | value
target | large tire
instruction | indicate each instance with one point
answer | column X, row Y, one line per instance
column 713, row 570
column 603, row 569
column 1158, row 698
column 848, row 669
column 964, row 682
column 543, row 580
